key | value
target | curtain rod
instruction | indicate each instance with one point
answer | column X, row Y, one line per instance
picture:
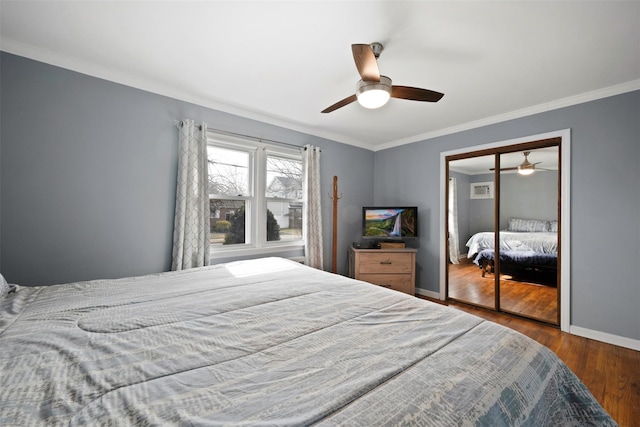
column 180, row 123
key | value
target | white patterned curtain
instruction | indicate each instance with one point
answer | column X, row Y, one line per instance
column 191, row 224
column 312, row 207
column 454, row 249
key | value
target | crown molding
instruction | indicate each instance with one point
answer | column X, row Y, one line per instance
column 541, row 108
column 148, row 85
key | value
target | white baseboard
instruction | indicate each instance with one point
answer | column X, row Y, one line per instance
column 428, row 294
column 605, row 337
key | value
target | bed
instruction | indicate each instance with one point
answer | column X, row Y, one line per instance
column 514, row 241
column 269, row 342
column 521, row 265
column 527, row 245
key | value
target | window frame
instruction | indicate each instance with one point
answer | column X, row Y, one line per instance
column 256, row 202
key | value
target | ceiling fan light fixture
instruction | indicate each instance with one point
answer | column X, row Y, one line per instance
column 526, row 169
column 374, row 90
column 374, row 94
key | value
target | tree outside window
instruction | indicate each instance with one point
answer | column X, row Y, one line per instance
column 233, row 197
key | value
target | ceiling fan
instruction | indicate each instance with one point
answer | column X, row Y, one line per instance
column 524, row 168
column 374, row 90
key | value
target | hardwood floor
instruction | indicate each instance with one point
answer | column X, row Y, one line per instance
column 611, row 373
column 527, row 298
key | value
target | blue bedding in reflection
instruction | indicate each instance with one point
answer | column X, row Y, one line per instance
column 518, row 257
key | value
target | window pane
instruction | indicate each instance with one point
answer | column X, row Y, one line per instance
column 284, row 178
column 228, row 171
column 284, row 221
column 227, row 222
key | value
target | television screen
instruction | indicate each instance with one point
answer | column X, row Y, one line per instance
column 390, row 222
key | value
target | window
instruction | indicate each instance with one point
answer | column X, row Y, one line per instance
column 255, row 195
column 283, row 194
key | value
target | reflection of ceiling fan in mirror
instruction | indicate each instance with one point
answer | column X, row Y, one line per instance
column 524, row 168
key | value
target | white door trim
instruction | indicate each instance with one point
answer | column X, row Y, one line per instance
column 565, row 206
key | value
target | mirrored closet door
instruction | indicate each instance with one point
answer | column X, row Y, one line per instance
column 528, row 233
column 470, row 218
column 503, row 211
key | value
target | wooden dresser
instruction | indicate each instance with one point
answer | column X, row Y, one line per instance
column 391, row 268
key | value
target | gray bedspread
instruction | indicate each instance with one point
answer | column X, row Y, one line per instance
column 269, row 342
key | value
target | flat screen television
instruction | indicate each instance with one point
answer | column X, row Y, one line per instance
column 390, row 222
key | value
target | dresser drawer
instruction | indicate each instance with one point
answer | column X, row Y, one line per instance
column 392, row 268
column 386, row 262
column 397, row 282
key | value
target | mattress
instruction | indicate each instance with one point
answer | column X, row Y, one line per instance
column 269, row 342
column 541, row 242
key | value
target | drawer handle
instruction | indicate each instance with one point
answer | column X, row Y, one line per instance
column 386, row 262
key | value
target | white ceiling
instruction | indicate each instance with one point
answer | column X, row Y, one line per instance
column 284, row 62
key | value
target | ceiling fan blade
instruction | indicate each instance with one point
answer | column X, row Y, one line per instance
column 348, row 100
column 415, row 94
column 505, row 169
column 366, row 62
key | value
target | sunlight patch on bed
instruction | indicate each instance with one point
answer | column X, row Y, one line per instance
column 260, row 266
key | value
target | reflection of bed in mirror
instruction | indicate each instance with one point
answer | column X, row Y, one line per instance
column 526, row 247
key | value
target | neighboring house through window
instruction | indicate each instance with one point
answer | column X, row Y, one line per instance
column 255, row 195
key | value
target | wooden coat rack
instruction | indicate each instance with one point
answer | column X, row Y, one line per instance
column 335, row 198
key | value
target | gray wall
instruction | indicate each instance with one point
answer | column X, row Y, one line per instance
column 530, row 197
column 605, row 202
column 88, row 170
column 480, row 210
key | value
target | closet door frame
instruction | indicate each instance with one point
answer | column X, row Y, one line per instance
column 564, row 238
